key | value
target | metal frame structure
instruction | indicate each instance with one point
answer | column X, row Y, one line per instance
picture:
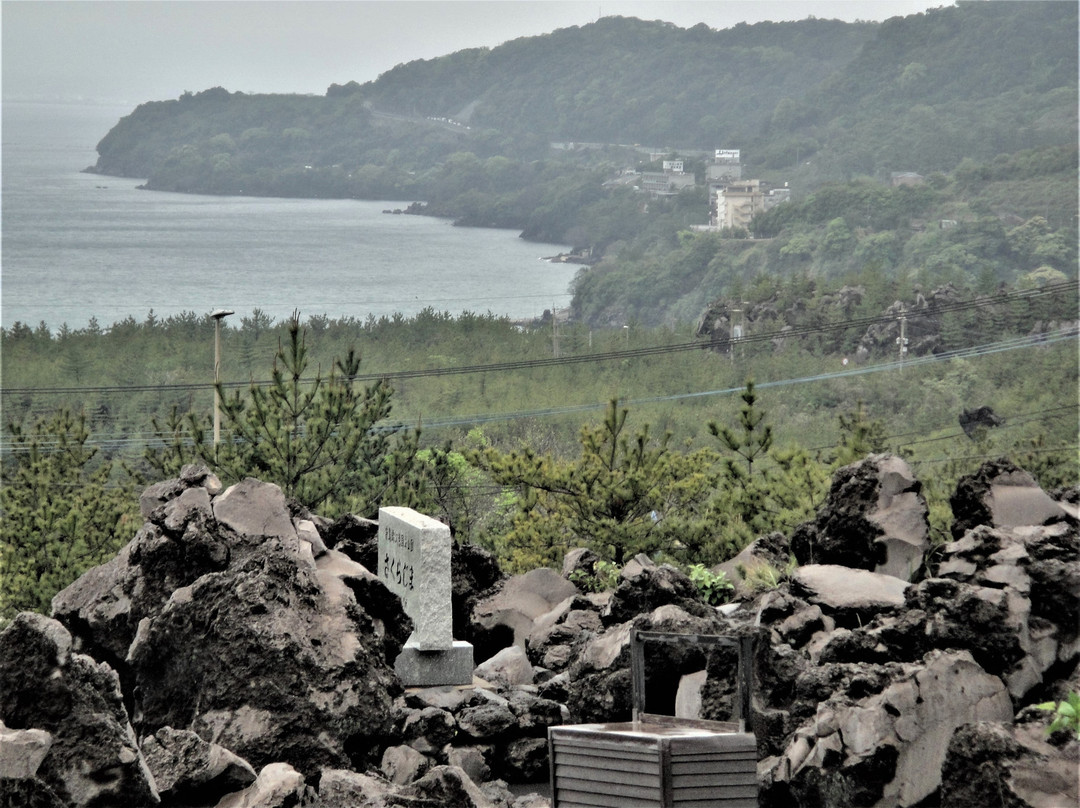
column 744, row 671
column 660, row 761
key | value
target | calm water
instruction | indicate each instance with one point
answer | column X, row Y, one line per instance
column 79, row 245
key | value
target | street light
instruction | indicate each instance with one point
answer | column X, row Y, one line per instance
column 218, row 316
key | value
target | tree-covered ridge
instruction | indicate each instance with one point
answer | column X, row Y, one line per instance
column 623, row 80
column 917, row 93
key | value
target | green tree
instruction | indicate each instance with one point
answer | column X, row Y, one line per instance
column 63, row 510
column 625, row 494
column 762, row 489
column 323, row 440
column 859, row 435
column 753, row 440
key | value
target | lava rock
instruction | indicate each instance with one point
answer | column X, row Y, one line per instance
column 94, row 758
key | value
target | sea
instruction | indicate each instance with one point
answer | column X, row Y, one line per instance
column 77, row 246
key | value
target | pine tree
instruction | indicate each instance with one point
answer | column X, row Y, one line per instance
column 63, row 511
column 753, row 441
column 859, row 436
column 626, row 494
column 323, row 440
column 755, row 498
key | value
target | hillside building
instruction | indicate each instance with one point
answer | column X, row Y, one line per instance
column 899, row 178
column 732, row 205
column 725, row 167
column 665, row 183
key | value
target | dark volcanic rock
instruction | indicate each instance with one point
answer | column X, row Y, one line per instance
column 644, row 586
column 874, row 518
column 517, row 603
column 599, row 682
column 1001, row 494
column 982, row 417
column 444, row 786
column 242, row 629
column 225, row 623
column 885, row 748
column 94, row 758
column 989, row 765
column 268, row 663
column 189, row 771
column 474, row 575
column 24, row 792
column 852, row 597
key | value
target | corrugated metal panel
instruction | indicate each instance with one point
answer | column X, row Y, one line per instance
column 593, row 773
column 705, row 782
column 659, row 761
column 683, row 768
column 568, row 798
column 651, row 765
column 731, row 789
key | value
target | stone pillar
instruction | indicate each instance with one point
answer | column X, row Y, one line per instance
column 414, row 563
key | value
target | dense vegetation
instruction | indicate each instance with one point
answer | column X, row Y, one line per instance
column 979, row 98
column 637, row 426
column 916, row 93
column 689, row 463
column 978, row 227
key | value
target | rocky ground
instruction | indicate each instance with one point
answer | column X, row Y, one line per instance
column 237, row 653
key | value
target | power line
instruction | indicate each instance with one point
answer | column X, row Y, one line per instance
column 630, row 353
column 141, row 439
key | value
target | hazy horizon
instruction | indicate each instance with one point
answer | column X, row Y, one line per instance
column 131, row 52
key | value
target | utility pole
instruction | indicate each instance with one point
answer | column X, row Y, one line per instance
column 554, row 332
column 738, row 330
column 218, row 316
column 902, row 340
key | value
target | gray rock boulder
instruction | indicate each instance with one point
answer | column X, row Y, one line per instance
column 644, row 586
column 445, row 786
column 255, row 510
column 226, row 620
column 403, row 764
column 180, row 541
column 510, row 666
column 343, row 788
column 278, row 785
column 93, row 757
column 1001, row 494
column 989, row 764
column 851, row 596
column 554, row 645
column 1034, row 572
column 580, row 561
column 273, row 658
column 22, row 751
column 428, row 730
column 874, row 518
column 486, row 721
column 886, row 749
column 473, row 761
column 769, row 553
column 189, row 771
column 522, row 600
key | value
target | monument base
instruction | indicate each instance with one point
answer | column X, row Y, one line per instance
column 453, row 666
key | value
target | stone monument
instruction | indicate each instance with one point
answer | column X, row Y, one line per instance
column 414, row 562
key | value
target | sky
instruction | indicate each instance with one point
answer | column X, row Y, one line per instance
column 130, row 51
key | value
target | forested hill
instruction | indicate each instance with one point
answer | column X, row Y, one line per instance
column 917, row 93
column 980, row 99
column 621, row 80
